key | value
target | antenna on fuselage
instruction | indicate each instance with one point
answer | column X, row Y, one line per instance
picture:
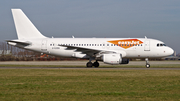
column 72, row 36
column 145, row 37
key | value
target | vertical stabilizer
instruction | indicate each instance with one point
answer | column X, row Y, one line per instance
column 24, row 27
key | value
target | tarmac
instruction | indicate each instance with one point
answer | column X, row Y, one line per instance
column 62, row 65
column 83, row 63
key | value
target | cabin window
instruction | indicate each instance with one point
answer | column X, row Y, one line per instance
column 160, row 44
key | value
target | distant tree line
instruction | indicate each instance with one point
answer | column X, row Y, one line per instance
column 11, row 53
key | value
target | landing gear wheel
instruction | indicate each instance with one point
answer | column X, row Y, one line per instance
column 89, row 64
column 147, row 65
column 96, row 64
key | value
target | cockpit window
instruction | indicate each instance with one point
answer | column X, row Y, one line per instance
column 160, row 44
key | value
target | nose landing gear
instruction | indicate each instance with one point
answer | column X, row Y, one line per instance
column 147, row 63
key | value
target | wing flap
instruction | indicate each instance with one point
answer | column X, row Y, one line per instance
column 88, row 51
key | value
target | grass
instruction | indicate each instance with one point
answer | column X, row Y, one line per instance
column 89, row 84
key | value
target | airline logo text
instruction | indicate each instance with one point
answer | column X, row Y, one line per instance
column 127, row 43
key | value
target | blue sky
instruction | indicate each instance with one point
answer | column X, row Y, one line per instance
column 158, row 19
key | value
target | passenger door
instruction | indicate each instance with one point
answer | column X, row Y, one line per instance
column 44, row 45
column 147, row 45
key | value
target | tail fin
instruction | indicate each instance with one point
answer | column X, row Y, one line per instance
column 24, row 27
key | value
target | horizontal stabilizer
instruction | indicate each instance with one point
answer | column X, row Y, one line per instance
column 18, row 42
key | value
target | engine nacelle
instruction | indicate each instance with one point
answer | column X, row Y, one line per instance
column 113, row 59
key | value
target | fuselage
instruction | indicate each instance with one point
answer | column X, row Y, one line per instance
column 128, row 47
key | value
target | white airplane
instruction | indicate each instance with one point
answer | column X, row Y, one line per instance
column 109, row 50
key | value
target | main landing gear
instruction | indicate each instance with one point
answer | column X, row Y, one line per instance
column 147, row 63
column 90, row 64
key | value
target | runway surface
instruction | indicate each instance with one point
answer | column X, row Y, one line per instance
column 81, row 64
column 110, row 68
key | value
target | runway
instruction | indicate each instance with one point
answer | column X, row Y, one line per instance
column 110, row 68
column 82, row 63
column 140, row 65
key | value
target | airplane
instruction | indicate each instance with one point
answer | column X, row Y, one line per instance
column 111, row 51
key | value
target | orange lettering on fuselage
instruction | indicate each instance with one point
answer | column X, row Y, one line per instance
column 127, row 43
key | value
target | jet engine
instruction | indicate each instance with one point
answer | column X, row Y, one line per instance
column 114, row 59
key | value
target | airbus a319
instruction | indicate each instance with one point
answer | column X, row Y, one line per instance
column 112, row 51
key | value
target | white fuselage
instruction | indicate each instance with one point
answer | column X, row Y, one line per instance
column 147, row 49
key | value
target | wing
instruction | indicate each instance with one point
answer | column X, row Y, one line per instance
column 89, row 51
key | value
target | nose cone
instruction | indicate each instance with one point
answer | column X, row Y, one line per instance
column 169, row 51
